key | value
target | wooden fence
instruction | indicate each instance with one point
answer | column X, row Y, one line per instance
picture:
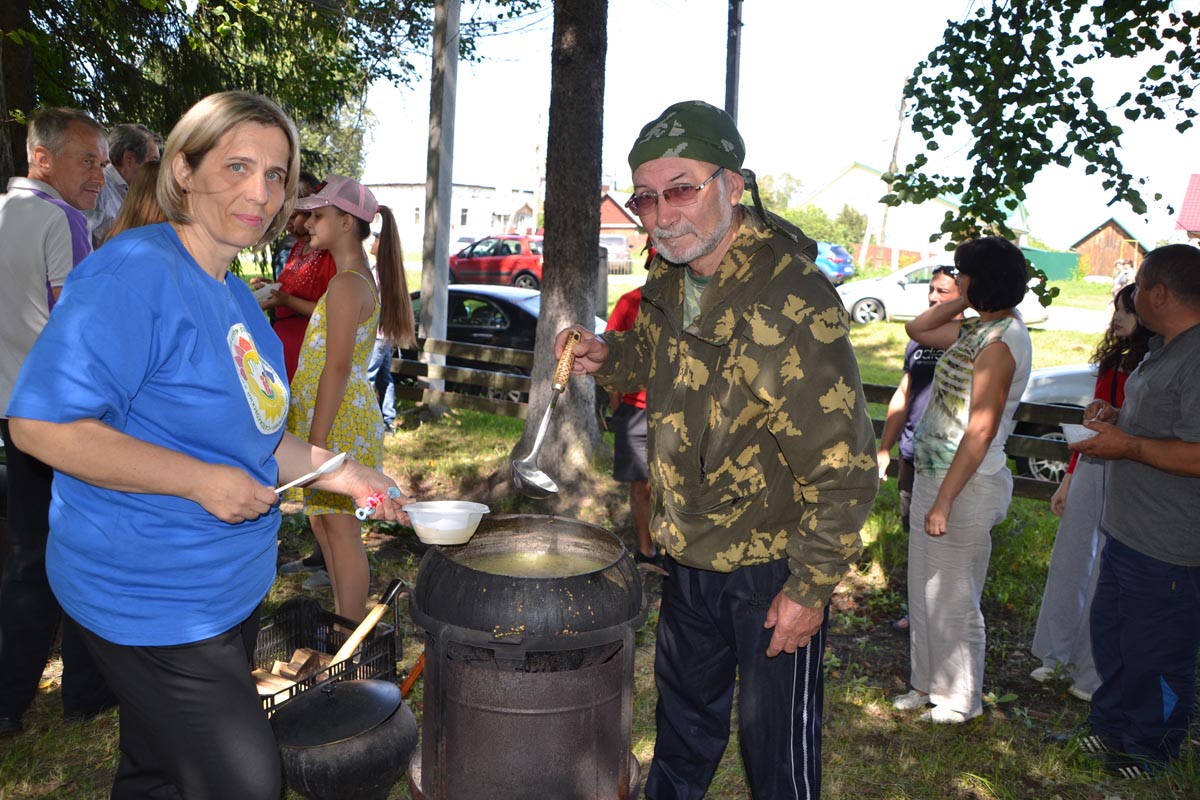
column 496, row 380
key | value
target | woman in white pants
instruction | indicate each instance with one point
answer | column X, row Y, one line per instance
column 963, row 486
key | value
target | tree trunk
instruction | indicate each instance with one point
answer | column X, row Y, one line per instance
column 16, row 89
column 570, row 274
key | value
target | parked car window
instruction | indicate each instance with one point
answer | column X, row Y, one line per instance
column 512, row 247
column 535, row 246
column 922, row 275
column 485, row 247
column 483, row 314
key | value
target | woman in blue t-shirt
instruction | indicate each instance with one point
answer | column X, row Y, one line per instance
column 962, row 485
column 155, row 392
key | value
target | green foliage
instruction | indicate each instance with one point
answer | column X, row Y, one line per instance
column 1014, row 77
column 149, row 60
column 847, row 229
column 777, row 191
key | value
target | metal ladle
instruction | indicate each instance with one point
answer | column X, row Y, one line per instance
column 529, row 480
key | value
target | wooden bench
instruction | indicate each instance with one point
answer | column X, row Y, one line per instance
column 497, row 382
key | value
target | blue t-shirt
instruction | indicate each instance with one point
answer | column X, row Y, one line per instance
column 148, row 343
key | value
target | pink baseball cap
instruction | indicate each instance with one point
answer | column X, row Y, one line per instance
column 342, row 193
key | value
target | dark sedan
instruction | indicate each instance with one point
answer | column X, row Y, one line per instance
column 499, row 316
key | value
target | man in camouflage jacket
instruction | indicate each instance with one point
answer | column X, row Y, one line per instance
column 761, row 452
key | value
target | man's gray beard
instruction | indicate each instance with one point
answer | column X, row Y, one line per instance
column 704, row 244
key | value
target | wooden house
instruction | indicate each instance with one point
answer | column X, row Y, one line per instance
column 616, row 219
column 1106, row 244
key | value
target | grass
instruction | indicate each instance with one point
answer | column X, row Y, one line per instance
column 870, row 751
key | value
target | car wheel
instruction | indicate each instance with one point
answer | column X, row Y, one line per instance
column 525, row 280
column 867, row 310
column 1043, row 469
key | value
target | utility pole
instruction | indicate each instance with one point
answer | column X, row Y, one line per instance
column 733, row 58
column 891, row 171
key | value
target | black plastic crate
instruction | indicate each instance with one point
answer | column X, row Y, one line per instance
column 302, row 622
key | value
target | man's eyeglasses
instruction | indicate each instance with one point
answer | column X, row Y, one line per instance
column 676, row 196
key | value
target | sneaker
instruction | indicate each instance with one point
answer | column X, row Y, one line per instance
column 1131, row 768
column 941, row 715
column 910, row 701
column 1075, row 691
column 310, row 563
column 318, row 580
column 655, row 563
column 1042, row 674
column 1091, row 743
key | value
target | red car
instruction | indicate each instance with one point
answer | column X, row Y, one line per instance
column 507, row 259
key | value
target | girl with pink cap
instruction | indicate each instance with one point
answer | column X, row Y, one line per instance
column 333, row 403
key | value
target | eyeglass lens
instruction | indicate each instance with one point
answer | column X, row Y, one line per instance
column 676, row 196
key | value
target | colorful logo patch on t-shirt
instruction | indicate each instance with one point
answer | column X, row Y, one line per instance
column 266, row 394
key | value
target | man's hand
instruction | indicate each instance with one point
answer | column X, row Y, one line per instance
column 590, row 353
column 1110, row 442
column 794, row 625
column 1100, row 411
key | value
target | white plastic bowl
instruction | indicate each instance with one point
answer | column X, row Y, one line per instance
column 1077, row 433
column 445, row 521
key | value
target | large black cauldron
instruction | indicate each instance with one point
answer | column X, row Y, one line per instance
column 346, row 739
column 529, row 680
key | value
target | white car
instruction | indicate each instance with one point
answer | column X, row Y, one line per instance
column 904, row 294
column 1073, row 386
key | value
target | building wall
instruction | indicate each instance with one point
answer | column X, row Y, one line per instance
column 475, row 212
column 1101, row 250
column 614, row 220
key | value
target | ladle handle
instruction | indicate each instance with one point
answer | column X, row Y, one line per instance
column 566, row 361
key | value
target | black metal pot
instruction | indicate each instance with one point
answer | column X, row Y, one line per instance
column 533, row 614
column 346, row 739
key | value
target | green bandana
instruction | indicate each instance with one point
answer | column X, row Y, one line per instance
column 691, row 129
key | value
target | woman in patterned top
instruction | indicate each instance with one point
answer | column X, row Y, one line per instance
column 963, row 485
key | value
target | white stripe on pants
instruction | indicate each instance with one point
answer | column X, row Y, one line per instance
column 945, row 583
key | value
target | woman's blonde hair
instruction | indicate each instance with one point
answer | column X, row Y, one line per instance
column 198, row 132
column 140, row 206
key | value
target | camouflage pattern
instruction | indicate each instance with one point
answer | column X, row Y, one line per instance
column 691, row 129
column 760, row 445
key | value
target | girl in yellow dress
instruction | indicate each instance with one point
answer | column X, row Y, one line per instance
column 333, row 405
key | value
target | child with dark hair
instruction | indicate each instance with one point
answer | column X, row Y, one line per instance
column 1063, row 637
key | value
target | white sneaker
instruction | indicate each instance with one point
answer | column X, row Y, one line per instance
column 1075, row 691
column 1042, row 674
column 910, row 701
column 946, row 716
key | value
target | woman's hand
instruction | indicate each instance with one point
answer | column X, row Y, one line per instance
column 232, row 496
column 277, row 298
column 365, row 484
column 937, row 516
column 1058, row 503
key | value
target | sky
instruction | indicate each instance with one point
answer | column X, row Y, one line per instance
column 820, row 88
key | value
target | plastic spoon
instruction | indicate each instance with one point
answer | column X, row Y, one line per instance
column 326, row 468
